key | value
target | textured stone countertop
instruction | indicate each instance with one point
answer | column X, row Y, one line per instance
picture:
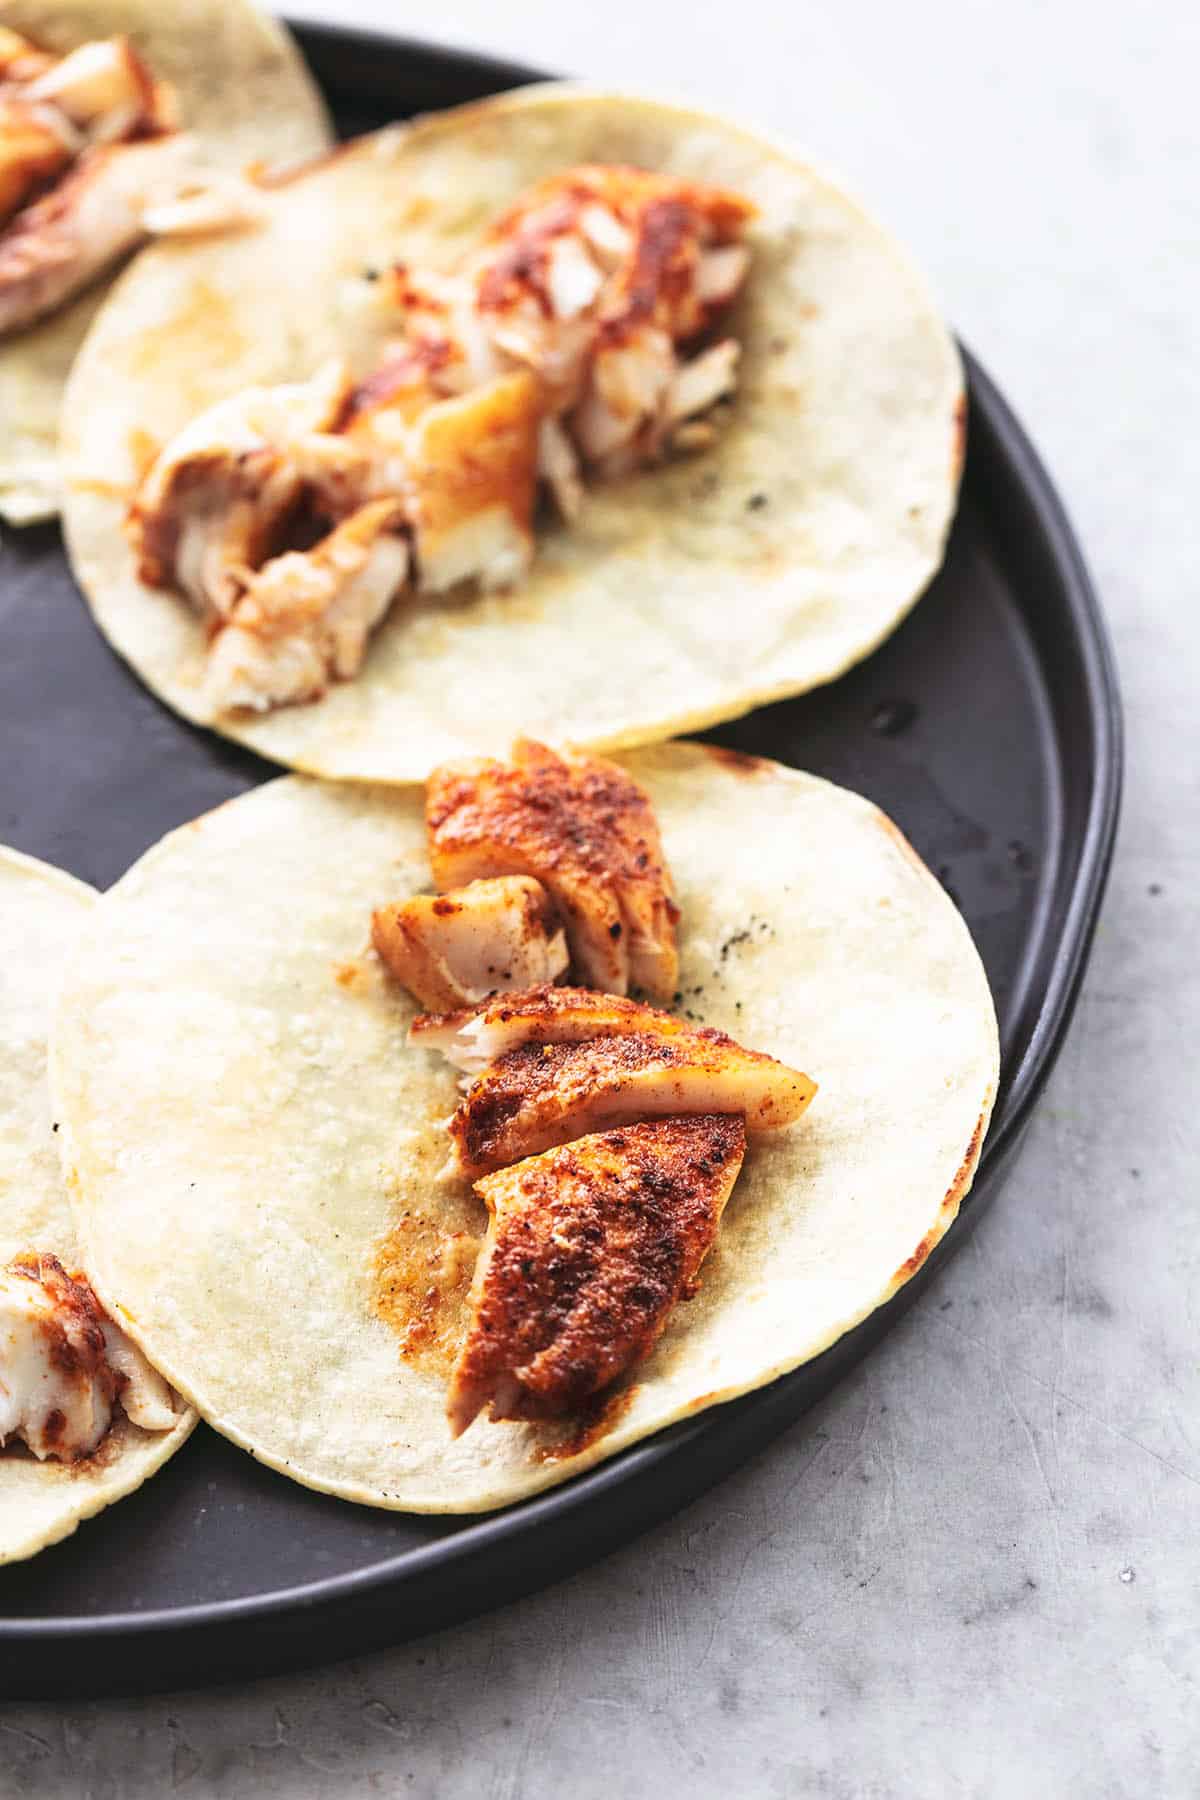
column 974, row 1569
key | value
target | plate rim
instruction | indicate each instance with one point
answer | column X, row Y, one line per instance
column 757, row 1417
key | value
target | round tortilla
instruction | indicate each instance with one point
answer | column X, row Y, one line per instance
column 684, row 595
column 41, row 913
column 254, row 1148
column 245, row 94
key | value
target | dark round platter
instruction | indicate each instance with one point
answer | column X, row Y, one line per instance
column 989, row 727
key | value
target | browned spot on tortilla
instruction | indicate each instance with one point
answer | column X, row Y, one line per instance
column 350, row 974
column 418, row 208
column 421, row 1276
column 588, row 1425
column 912, row 1263
column 738, row 762
column 206, row 317
column 966, row 1167
column 702, row 1401
column 958, row 451
column 950, row 1203
column 764, row 559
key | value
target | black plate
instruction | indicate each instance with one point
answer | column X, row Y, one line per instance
column 988, row 726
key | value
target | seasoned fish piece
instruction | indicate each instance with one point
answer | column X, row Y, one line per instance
column 105, row 89
column 465, row 467
column 64, row 1365
column 212, row 503
column 99, row 109
column 593, row 258
column 597, row 280
column 472, row 1037
column 52, row 110
column 540, row 1095
column 21, row 61
column 374, row 436
column 442, row 328
column 473, row 480
column 57, row 1391
column 588, row 1249
column 219, row 501
column 304, row 618
column 703, row 381
column 558, row 467
column 93, row 217
column 35, row 144
column 587, row 831
column 456, row 948
column 629, row 383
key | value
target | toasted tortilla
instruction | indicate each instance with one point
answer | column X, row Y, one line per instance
column 245, row 96
column 41, row 913
column 254, row 1148
column 684, row 595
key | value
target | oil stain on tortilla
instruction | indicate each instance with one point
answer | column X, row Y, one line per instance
column 584, row 1427
column 420, row 1280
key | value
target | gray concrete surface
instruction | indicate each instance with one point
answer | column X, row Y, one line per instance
column 974, row 1570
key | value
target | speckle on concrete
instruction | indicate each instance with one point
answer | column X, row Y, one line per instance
column 972, row 1571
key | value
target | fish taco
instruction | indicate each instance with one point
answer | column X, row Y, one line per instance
column 564, row 412
column 438, row 1150
column 119, row 119
column 84, row 1419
